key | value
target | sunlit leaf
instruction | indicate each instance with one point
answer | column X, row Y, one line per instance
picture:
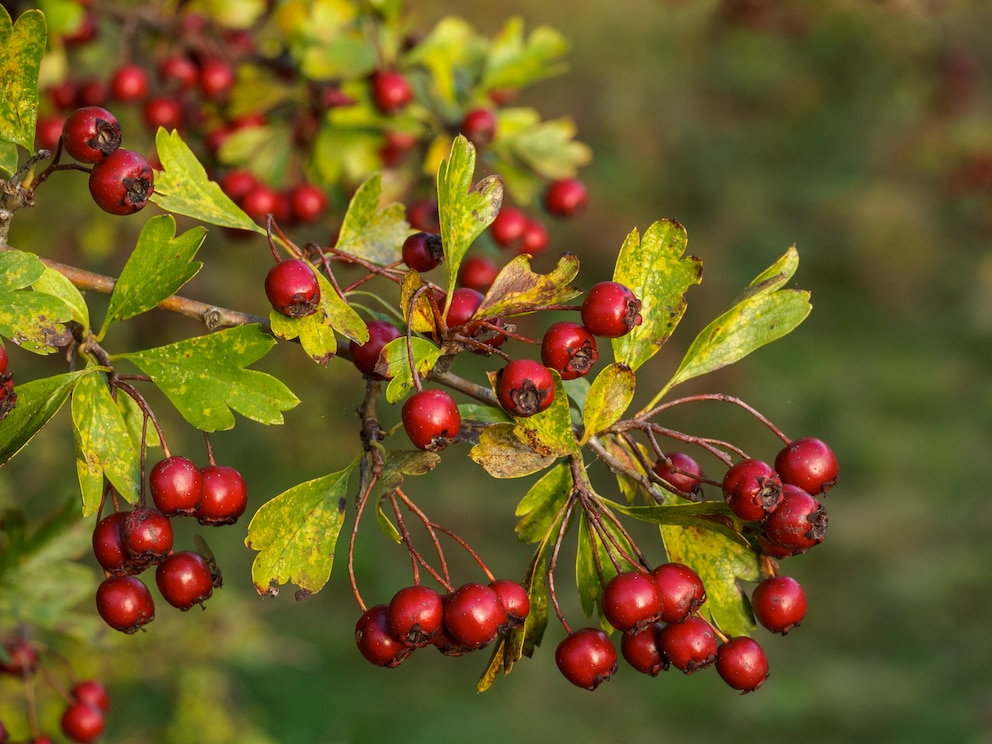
column 542, row 503
column 32, row 319
column 394, row 361
column 370, row 231
column 503, row 455
column 37, row 402
column 609, row 396
column 449, row 49
column 22, row 45
column 58, row 285
column 513, row 62
column 517, row 289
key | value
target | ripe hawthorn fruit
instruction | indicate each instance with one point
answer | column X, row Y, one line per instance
column 308, row 201
column 752, row 489
column 4, row 361
column 535, row 238
column 93, row 692
column 422, row 215
column 799, row 523
column 514, row 600
column 184, row 579
column 680, row 471
column 215, row 78
column 431, row 419
column 176, row 485
column 122, row 182
column 779, row 603
column 474, row 615
column 423, row 251
column 292, row 288
column 129, row 83
column 375, row 642
column 508, row 226
column 225, row 496
column 391, row 91
column 566, row 197
column 569, row 349
column 610, row 310
column 146, row 535
column 690, row 645
column 82, row 722
column 22, row 658
column 682, row 591
column 478, row 273
column 162, row 111
column 179, row 71
column 525, row 387
column 640, row 649
column 366, row 356
column 125, row 603
column 742, row 664
column 91, row 133
column 414, row 615
column 108, row 548
column 479, row 126
column 260, row 202
column 586, row 658
column 632, row 601
column 809, row 464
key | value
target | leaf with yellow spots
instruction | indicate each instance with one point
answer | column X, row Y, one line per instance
column 205, row 378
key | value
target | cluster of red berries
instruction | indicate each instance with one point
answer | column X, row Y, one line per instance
column 121, row 181
column 8, row 398
column 86, row 700
column 126, row 543
column 466, row 619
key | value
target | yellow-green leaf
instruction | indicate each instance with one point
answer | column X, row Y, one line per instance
column 609, row 396
column 517, row 289
column 22, row 45
column 394, row 361
column 542, row 503
column 37, row 402
column 372, row 232
column 503, row 455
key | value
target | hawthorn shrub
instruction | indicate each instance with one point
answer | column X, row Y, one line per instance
column 407, row 156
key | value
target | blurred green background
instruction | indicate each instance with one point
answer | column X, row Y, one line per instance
column 862, row 132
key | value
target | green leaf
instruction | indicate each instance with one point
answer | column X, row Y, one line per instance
column 22, row 45
column 517, row 289
column 370, row 232
column 19, row 270
column 9, row 158
column 104, row 448
column 657, row 270
column 722, row 563
column 264, row 150
column 765, row 314
column 58, row 285
column 686, row 514
column 397, row 465
column 37, row 402
column 593, row 566
column 205, row 378
column 503, row 455
column 160, row 264
column 394, row 361
column 451, row 49
column 182, row 186
column 31, row 319
column 546, row 148
column 540, row 507
column 134, row 417
column 296, row 532
column 609, row 395
column 512, row 62
column 465, row 210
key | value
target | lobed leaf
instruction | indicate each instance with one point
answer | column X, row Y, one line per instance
column 526, row 146
column 296, row 532
column 503, row 455
column 34, row 320
column 394, row 361
column 370, row 232
column 518, row 290
column 513, row 61
column 609, row 396
column 205, row 378
column 22, row 45
column 657, row 270
column 37, row 402
column 451, row 47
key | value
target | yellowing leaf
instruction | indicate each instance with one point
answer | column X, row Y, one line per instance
column 609, row 395
column 22, row 45
column 517, row 289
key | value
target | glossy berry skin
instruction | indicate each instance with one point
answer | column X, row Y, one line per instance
column 566, row 197
column 292, row 288
column 225, row 496
column 535, row 238
column 474, row 615
column 508, row 226
column 610, row 310
column 108, row 548
column 176, row 485
column 146, row 535
column 525, row 387
column 690, row 645
column 81, row 722
column 414, row 615
column 779, row 603
column 129, row 83
column 809, row 464
column 640, row 649
column 423, row 251
column 478, row 273
column 514, row 599
column 431, row 419
column 586, row 658
column 742, row 664
column 308, row 202
column 125, row 603
column 374, row 641
column 122, row 182
column 464, row 303
column 93, row 692
column 682, row 591
column 366, row 356
column 569, row 349
column 91, row 133
column 391, row 92
column 632, row 601
column 681, row 472
column 184, row 579
column 752, row 489
column 479, row 126
column 799, row 523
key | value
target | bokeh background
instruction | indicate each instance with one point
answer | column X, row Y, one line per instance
column 862, row 132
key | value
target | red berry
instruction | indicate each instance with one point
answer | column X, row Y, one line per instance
column 508, row 226
column 47, row 131
column 93, row 692
column 478, row 273
column 225, row 496
column 566, row 197
column 682, row 591
column 640, row 649
column 81, row 722
column 479, row 126
column 237, row 183
column 146, row 535
column 586, row 658
column 610, row 309
column 569, row 349
column 184, row 579
column 431, row 419
column 742, row 664
column 808, row 463
column 690, row 645
column 779, row 603
column 22, row 658
column 4, row 361
column 423, row 251
column 395, row 147
column 632, row 601
column 181, row 71
column 216, row 78
column 422, row 215
column 366, row 356
column 752, row 489
column 129, row 83
column 107, row 545
column 474, row 615
column 125, row 603
column 309, row 202
column 464, row 303
column 680, row 471
column 260, row 202
column 91, row 133
column 799, row 522
column 514, row 599
column 122, row 182
column 292, row 288
column 525, row 387
column 535, row 238
column 374, row 641
column 176, row 485
column 163, row 111
column 391, row 91
column 414, row 615
column 91, row 93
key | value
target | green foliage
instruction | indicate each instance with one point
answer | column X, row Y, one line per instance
column 22, row 45
column 372, row 232
column 37, row 402
column 34, row 320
